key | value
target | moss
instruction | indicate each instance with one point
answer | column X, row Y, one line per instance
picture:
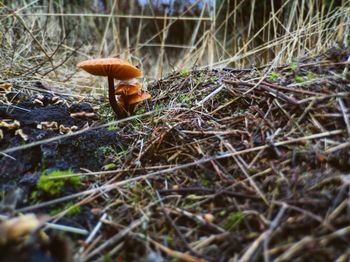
column 108, row 257
column 52, row 185
column 137, row 124
column 158, row 108
column 168, row 238
column 299, row 79
column 185, row 100
column 273, row 77
column 140, row 111
column 112, row 127
column 110, row 166
column 34, row 195
column 106, row 151
column 310, row 76
column 205, row 183
column 294, row 66
column 233, row 220
column 105, row 113
column 72, row 210
column 185, row 72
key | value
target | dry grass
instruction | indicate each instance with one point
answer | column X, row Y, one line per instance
column 217, row 34
column 232, row 164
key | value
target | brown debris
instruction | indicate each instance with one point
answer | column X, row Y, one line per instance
column 209, row 218
column 8, row 125
column 38, row 102
column 66, row 130
column 46, row 125
column 5, row 87
column 20, row 133
column 59, row 102
column 82, row 115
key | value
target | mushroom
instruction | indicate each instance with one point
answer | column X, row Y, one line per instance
column 127, row 89
column 124, row 90
column 133, row 100
column 112, row 68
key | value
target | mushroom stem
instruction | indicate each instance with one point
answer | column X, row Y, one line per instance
column 125, row 104
column 112, row 100
column 131, row 108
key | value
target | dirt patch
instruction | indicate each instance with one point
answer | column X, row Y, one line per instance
column 40, row 116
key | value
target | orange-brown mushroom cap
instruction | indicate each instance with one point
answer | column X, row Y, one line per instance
column 127, row 89
column 139, row 97
column 114, row 67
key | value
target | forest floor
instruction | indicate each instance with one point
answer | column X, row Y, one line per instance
column 220, row 164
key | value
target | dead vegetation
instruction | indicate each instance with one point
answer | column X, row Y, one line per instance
column 228, row 164
column 237, row 167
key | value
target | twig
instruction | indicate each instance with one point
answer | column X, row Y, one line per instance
column 116, row 238
column 216, row 91
column 176, row 254
column 345, row 115
column 255, row 245
column 94, row 231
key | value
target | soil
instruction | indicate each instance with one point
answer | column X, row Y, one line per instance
column 68, row 153
column 257, row 169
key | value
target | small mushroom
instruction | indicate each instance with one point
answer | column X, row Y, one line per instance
column 113, row 68
column 127, row 89
column 124, row 90
column 133, row 100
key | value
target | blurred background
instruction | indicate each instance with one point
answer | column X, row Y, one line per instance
column 44, row 39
